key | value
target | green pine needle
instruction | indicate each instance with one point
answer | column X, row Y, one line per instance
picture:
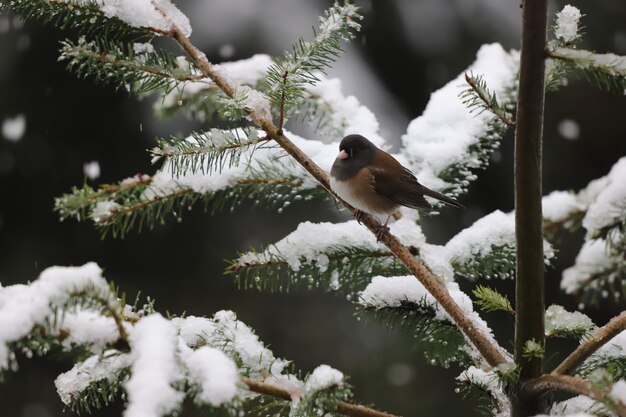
column 288, row 76
column 135, row 67
column 478, row 98
column 85, row 16
column 206, row 152
column 533, row 350
column 489, row 300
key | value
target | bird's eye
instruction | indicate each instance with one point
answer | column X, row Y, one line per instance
column 351, row 152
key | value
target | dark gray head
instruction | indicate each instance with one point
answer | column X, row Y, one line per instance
column 355, row 152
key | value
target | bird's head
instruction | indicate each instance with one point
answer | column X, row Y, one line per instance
column 356, row 150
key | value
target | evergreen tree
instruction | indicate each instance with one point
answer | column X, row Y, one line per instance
column 156, row 362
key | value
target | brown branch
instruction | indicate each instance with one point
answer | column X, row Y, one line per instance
column 530, row 266
column 571, row 384
column 601, row 336
column 487, row 347
column 347, row 409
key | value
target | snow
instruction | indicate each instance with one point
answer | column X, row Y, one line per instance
column 559, row 206
column 580, row 404
column 103, row 209
column 557, row 319
column 87, row 328
column 24, row 306
column 347, row 114
column 592, row 259
column 618, row 391
column 569, row 129
column 155, row 368
column 233, row 334
column 158, row 15
column 442, row 135
column 213, row 372
column 107, row 366
column 569, row 415
column 491, row 382
column 233, row 337
column 567, row 23
column 13, row 128
column 610, row 204
column 611, row 63
column 496, row 229
column 323, row 377
column 91, row 170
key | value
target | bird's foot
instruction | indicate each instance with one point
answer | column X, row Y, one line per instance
column 358, row 215
column 380, row 232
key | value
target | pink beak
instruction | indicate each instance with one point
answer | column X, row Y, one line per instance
column 343, row 154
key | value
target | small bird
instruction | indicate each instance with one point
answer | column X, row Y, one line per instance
column 372, row 181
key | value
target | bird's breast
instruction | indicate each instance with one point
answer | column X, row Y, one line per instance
column 359, row 192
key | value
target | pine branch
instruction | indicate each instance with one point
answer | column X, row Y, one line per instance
column 438, row 340
column 272, row 272
column 591, row 344
column 83, row 15
column 533, row 350
column 499, row 262
column 489, row 300
column 138, row 202
column 136, row 67
column 606, row 71
column 486, row 347
column 478, row 98
column 289, row 76
column 205, row 152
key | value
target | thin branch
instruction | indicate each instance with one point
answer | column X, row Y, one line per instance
column 601, row 337
column 571, row 384
column 487, row 347
column 347, row 409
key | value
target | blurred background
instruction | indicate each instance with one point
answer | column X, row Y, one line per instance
column 406, row 50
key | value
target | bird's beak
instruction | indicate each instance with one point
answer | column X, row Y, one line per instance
column 343, row 154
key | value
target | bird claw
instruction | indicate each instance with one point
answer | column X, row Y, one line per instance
column 380, row 233
column 358, row 215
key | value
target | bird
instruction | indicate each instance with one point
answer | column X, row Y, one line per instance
column 374, row 182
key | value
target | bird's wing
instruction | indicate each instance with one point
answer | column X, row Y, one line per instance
column 398, row 184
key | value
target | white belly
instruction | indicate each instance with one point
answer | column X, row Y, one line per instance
column 342, row 189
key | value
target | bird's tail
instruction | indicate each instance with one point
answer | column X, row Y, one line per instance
column 434, row 194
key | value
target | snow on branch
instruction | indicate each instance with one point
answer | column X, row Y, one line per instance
column 607, row 71
column 342, row 256
column 448, row 141
column 487, row 248
column 566, row 26
column 562, row 323
column 217, row 362
column 23, row 307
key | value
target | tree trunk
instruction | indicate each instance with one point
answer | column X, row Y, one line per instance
column 529, row 290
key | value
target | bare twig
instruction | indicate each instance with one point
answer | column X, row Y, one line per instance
column 347, row 409
column 487, row 347
column 592, row 344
